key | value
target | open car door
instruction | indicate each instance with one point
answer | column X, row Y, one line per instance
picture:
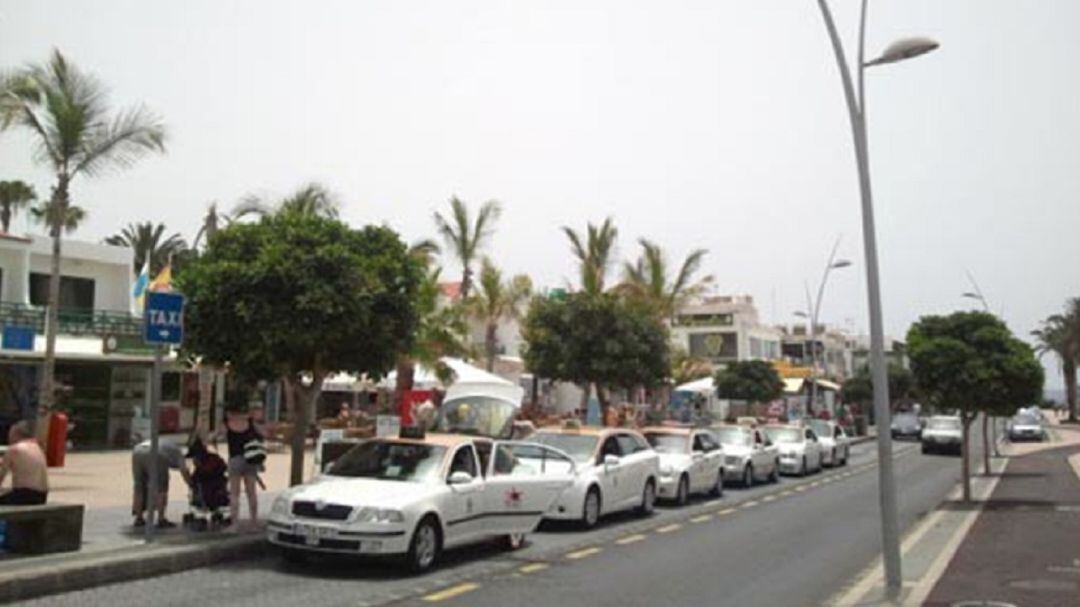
column 523, row 480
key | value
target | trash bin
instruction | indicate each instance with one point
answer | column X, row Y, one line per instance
column 860, row 425
column 56, row 445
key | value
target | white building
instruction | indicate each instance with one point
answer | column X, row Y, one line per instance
column 835, row 358
column 725, row 329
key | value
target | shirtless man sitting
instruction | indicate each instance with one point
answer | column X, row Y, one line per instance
column 26, row 462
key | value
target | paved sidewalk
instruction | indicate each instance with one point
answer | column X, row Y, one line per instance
column 1024, row 549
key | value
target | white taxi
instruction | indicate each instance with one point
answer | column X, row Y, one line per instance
column 691, row 461
column 835, row 442
column 749, row 455
column 800, row 451
column 415, row 496
column 616, row 470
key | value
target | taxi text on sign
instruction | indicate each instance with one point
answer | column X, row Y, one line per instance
column 164, row 318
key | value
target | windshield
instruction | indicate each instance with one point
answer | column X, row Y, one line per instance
column 667, row 443
column 905, row 419
column 944, row 423
column 387, row 460
column 785, row 435
column 1026, row 420
column 478, row 415
column 735, row 437
column 578, row 446
column 821, row 428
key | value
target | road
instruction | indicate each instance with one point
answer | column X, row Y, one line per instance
column 796, row 543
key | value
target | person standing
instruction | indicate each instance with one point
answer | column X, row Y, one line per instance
column 26, row 462
column 169, row 456
column 242, row 432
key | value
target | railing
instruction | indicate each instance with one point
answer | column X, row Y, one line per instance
column 72, row 321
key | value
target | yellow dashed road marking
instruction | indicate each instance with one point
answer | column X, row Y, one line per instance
column 669, row 528
column 451, row 592
column 534, row 567
column 701, row 519
column 750, row 504
column 786, row 493
column 725, row 511
column 630, row 539
column 801, row 488
column 768, row 498
column 580, row 554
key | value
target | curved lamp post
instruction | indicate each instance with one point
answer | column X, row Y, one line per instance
column 812, row 314
column 856, row 104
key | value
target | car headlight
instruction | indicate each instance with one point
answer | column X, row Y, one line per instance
column 733, row 461
column 378, row 515
column 281, row 505
column 667, row 470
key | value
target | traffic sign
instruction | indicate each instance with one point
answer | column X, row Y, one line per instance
column 163, row 322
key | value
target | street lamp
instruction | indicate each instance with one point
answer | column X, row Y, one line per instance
column 856, row 105
column 977, row 297
column 812, row 314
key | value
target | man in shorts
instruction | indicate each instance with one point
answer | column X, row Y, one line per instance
column 26, row 462
column 169, row 456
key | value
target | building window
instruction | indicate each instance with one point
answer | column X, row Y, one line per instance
column 714, row 345
column 704, row 320
column 755, row 348
column 76, row 294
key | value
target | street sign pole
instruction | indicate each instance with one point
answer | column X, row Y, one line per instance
column 155, row 422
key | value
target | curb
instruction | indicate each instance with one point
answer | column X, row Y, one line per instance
column 123, row 565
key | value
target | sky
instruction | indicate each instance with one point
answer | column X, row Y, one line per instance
column 715, row 124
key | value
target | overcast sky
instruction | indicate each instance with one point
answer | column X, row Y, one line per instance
column 716, row 124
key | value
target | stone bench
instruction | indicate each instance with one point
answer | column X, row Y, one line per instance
column 43, row 529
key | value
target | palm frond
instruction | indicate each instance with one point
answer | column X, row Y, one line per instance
column 132, row 134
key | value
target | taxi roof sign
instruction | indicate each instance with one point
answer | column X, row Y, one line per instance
column 413, row 432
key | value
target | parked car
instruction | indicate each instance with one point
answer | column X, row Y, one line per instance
column 906, row 425
column 691, row 461
column 414, row 496
column 749, row 455
column 1026, row 426
column 616, row 470
column 943, row 433
column 834, row 441
column 800, row 450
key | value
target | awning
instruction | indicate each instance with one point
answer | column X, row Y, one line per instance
column 793, row 385
column 704, row 385
column 828, row 385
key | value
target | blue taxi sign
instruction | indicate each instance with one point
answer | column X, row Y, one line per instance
column 163, row 320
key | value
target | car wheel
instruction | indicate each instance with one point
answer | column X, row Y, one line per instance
column 682, row 494
column 833, row 462
column 925, row 449
column 805, row 469
column 590, row 512
column 821, row 462
column 774, row 476
column 425, row 545
column 514, row 541
column 718, row 488
column 648, row 498
column 748, row 476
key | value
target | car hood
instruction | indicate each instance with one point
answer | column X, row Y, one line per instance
column 737, row 450
column 362, row 491
column 1027, row 427
column 930, row 433
column 792, row 447
column 675, row 460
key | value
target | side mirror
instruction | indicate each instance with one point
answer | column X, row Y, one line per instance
column 611, row 460
column 460, row 478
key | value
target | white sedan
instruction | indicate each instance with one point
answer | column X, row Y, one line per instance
column 691, row 461
column 414, row 497
column 834, row 441
column 749, row 455
column 616, row 470
column 800, row 451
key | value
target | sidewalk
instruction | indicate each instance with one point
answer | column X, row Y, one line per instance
column 1024, row 548
column 112, row 549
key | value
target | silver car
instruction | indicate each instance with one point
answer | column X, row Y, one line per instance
column 943, row 433
column 1026, row 426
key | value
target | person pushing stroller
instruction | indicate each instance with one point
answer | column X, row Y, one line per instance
column 169, row 456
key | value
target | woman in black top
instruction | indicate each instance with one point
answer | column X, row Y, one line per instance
column 240, row 429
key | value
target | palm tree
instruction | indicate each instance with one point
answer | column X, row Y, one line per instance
column 1060, row 334
column 426, row 251
column 14, row 195
column 495, row 301
column 593, row 251
column 212, row 222
column 649, row 279
column 145, row 240
column 46, row 214
column 309, row 199
column 76, row 134
column 465, row 237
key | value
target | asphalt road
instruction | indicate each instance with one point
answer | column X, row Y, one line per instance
column 795, row 543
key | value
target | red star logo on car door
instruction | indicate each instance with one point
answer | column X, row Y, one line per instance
column 513, row 496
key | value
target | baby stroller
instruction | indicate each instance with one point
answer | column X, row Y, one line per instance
column 209, row 498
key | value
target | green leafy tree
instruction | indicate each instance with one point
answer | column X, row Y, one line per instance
column 754, row 381
column 465, row 237
column 594, row 251
column 971, row 362
column 859, row 389
column 686, row 368
column 148, row 241
column 14, row 195
column 297, row 296
column 1060, row 335
column 596, row 339
column 496, row 301
column 67, row 114
column 650, row 278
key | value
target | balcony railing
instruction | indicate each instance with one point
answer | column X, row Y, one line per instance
column 72, row 321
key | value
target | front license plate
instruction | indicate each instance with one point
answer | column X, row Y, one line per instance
column 313, row 533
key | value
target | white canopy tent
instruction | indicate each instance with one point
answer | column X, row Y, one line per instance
column 468, row 381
